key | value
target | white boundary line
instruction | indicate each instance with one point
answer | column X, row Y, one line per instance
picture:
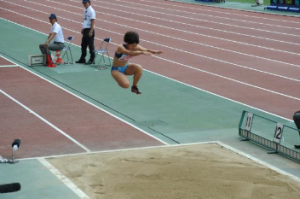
column 2, row 56
column 225, row 24
column 188, row 144
column 104, row 151
column 231, row 100
column 191, row 3
column 64, row 179
column 82, row 195
column 46, row 121
column 8, row 66
column 166, row 78
column 260, row 161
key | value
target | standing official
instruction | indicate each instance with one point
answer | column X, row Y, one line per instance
column 57, row 36
column 88, row 33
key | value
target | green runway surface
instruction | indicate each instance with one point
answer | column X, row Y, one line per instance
column 166, row 109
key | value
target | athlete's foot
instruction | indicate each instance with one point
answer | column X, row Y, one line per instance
column 135, row 89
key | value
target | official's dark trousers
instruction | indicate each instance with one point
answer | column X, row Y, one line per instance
column 87, row 42
column 53, row 47
column 297, row 119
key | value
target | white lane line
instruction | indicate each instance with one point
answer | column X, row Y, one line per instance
column 237, row 81
column 185, row 40
column 260, row 161
column 218, row 38
column 188, row 85
column 46, row 121
column 199, row 55
column 203, row 20
column 221, row 17
column 198, row 8
column 8, row 66
column 116, row 150
column 234, row 41
column 192, row 25
column 64, row 179
column 187, row 52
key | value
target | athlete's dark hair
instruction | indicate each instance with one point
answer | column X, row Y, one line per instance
column 131, row 37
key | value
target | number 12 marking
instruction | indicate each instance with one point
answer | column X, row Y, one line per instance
column 278, row 133
column 249, row 122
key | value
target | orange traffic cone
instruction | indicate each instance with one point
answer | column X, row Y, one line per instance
column 49, row 61
column 58, row 59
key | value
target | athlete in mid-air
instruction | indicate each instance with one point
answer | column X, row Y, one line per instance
column 121, row 67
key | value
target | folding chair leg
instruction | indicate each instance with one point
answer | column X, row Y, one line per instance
column 108, row 59
column 71, row 56
column 104, row 59
column 67, row 53
column 101, row 58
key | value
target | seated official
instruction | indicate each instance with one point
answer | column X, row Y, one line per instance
column 56, row 34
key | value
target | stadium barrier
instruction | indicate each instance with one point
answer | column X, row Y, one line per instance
column 278, row 138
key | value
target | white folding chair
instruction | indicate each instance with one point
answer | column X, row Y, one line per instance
column 103, row 51
column 67, row 51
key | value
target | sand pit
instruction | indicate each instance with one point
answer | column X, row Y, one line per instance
column 207, row 171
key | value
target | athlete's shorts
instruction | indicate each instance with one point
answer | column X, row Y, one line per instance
column 120, row 68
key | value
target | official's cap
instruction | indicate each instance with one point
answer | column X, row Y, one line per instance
column 85, row 1
column 52, row 16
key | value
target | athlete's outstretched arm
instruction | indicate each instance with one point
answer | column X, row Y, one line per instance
column 140, row 48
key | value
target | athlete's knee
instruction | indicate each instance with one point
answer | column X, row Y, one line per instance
column 124, row 84
column 139, row 67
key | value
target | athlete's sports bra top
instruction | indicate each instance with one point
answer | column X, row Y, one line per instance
column 122, row 56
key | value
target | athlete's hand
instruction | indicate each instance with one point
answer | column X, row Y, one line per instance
column 158, row 52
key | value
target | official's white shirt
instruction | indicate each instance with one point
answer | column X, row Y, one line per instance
column 59, row 37
column 88, row 15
